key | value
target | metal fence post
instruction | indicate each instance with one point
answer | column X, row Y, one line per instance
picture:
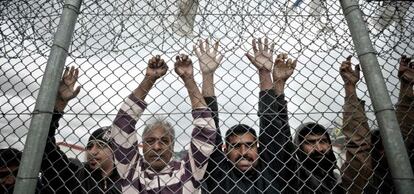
column 42, row 114
column 390, row 131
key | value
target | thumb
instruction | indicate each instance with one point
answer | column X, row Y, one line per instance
column 357, row 71
column 220, row 58
column 76, row 92
column 250, row 57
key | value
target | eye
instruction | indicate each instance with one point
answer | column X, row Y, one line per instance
column 149, row 141
column 237, row 146
column 89, row 146
column 165, row 140
column 325, row 141
column 251, row 144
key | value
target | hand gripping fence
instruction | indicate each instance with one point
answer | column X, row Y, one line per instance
column 237, row 115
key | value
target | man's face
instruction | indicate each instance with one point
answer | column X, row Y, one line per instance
column 242, row 151
column 8, row 176
column 99, row 155
column 157, row 148
column 316, row 145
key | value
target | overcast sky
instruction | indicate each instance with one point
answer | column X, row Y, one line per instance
column 114, row 40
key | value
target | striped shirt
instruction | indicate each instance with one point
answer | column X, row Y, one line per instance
column 178, row 176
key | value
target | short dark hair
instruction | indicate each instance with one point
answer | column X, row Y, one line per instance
column 238, row 130
column 312, row 129
column 10, row 157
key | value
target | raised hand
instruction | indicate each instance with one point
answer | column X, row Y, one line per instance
column 406, row 75
column 156, row 68
column 209, row 58
column 283, row 68
column 184, row 66
column 406, row 70
column 263, row 55
column 67, row 89
column 350, row 76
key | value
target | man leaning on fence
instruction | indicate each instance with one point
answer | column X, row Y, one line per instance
column 98, row 174
column 247, row 165
column 317, row 171
column 365, row 169
column 156, row 172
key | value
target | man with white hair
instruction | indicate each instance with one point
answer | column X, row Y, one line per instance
column 156, row 172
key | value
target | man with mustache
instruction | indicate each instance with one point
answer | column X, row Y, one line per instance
column 157, row 172
column 316, row 160
column 251, row 163
column 365, row 169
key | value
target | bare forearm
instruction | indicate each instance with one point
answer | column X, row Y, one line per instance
column 60, row 104
column 144, row 87
column 350, row 92
column 208, row 85
column 196, row 98
column 265, row 80
column 279, row 87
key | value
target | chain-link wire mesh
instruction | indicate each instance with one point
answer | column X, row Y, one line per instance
column 114, row 40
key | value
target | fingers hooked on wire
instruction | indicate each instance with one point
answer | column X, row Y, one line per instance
column 348, row 59
column 272, row 48
column 216, row 46
column 279, row 59
column 178, row 58
column 196, row 51
column 357, row 71
column 184, row 57
column 284, row 56
column 76, row 74
column 294, row 63
column 289, row 63
column 71, row 71
column 219, row 58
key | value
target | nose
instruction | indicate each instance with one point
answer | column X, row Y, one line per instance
column 243, row 149
column 93, row 150
column 157, row 145
column 320, row 148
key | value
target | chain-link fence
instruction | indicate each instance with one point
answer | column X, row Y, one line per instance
column 112, row 44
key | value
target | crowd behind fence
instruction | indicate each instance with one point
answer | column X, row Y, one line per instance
column 206, row 96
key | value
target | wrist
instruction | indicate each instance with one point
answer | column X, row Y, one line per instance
column 187, row 78
column 264, row 71
column 350, row 87
column 279, row 87
column 350, row 90
column 60, row 104
column 208, row 75
column 150, row 78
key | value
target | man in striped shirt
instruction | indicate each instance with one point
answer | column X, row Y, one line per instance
column 156, row 172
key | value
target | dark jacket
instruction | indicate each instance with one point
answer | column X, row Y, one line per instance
column 272, row 173
column 63, row 176
column 365, row 169
column 358, row 162
column 405, row 117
